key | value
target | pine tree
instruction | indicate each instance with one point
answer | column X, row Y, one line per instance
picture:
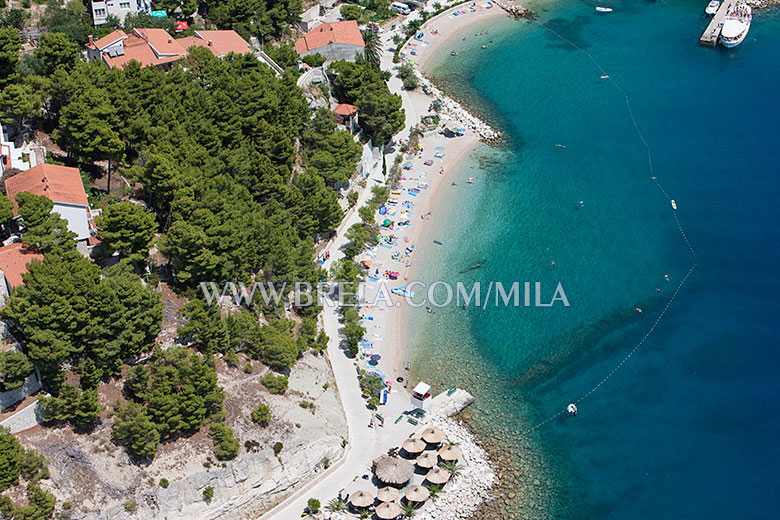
column 10, row 459
column 127, row 228
column 43, row 229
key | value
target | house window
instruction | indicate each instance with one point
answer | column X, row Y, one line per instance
column 100, row 12
column 124, row 5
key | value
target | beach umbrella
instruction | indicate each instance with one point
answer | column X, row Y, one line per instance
column 437, row 476
column 388, row 494
column 417, row 494
column 450, row 452
column 373, row 362
column 361, row 499
column 382, row 210
column 388, row 510
column 394, row 470
column 387, row 222
column 433, row 436
column 376, row 357
column 413, row 446
column 427, row 460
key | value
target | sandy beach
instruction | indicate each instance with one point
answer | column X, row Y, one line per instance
column 414, row 199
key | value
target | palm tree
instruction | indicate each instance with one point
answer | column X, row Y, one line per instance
column 365, row 513
column 453, row 467
column 337, row 504
column 434, row 490
column 372, row 43
column 408, row 509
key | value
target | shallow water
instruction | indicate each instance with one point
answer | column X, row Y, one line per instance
column 684, row 428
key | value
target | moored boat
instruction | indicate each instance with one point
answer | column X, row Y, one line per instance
column 737, row 25
column 712, row 7
column 604, row 9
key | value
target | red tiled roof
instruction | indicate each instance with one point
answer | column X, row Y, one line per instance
column 162, row 42
column 221, row 43
column 345, row 32
column 107, row 40
column 137, row 49
column 345, row 109
column 59, row 183
column 14, row 259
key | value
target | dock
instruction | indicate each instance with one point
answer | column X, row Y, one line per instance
column 712, row 32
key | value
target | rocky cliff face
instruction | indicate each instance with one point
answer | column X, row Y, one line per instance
column 99, row 477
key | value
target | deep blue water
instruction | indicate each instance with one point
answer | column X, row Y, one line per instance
column 687, row 427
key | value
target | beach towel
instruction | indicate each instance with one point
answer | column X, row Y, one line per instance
column 438, row 155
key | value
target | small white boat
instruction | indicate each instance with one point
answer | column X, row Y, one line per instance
column 712, row 7
column 571, row 409
column 674, row 204
column 604, row 9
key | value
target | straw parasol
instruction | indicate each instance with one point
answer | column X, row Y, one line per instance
column 417, row 494
column 361, row 499
column 388, row 494
column 413, row 446
column 427, row 460
column 433, row 436
column 393, row 470
column 387, row 510
column 437, row 476
column 450, row 452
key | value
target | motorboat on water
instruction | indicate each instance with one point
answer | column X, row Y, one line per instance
column 674, row 205
column 712, row 7
column 604, row 9
column 737, row 25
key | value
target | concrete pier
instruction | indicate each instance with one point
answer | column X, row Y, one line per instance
column 712, row 32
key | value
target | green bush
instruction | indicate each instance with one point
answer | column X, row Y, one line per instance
column 164, row 483
column 352, row 198
column 208, row 493
column 278, row 447
column 34, row 466
column 131, row 506
column 261, row 415
column 248, row 368
column 314, row 505
column 314, row 60
column 225, row 444
column 276, row 384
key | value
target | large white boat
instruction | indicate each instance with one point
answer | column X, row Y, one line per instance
column 737, row 25
column 712, row 7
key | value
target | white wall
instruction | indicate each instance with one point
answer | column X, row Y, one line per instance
column 76, row 217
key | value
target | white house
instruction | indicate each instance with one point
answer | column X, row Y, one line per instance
column 101, row 10
column 63, row 186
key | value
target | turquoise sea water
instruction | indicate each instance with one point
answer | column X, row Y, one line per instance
column 687, row 427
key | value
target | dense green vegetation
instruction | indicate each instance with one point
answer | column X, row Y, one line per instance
column 276, row 384
column 14, row 369
column 68, row 310
column 73, row 405
column 225, row 444
column 16, row 463
column 174, row 392
column 363, row 85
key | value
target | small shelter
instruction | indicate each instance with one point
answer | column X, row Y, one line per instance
column 450, row 452
column 421, row 396
column 433, row 436
column 388, row 510
column 417, row 494
column 347, row 115
column 438, row 476
column 394, row 470
column 413, row 446
column 388, row 494
column 427, row 460
column 361, row 499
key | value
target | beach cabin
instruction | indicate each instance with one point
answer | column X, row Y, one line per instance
column 421, row 396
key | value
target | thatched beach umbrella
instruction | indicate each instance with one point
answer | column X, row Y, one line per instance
column 450, row 452
column 388, row 494
column 433, row 436
column 437, row 476
column 427, row 460
column 413, row 446
column 417, row 494
column 394, row 470
column 387, row 510
column 361, row 499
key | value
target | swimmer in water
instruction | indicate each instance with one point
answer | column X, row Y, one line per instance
column 666, row 276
